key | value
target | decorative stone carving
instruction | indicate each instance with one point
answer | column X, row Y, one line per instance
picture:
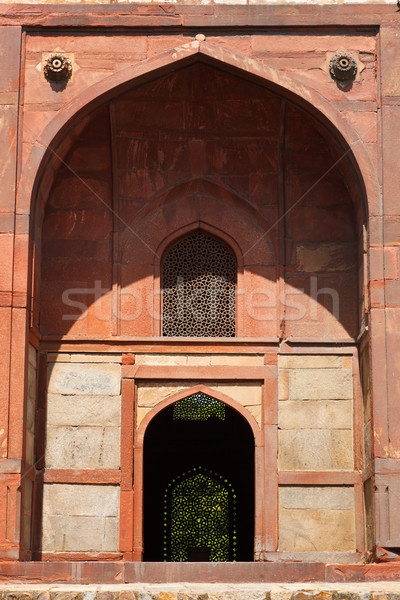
column 343, row 66
column 57, row 67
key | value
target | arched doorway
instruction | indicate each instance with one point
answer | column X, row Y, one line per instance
column 198, row 483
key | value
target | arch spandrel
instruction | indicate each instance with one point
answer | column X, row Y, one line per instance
column 164, row 403
column 48, row 141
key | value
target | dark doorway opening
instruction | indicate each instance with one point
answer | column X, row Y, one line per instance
column 198, row 490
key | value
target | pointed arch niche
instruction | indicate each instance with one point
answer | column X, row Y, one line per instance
column 199, row 275
column 222, row 442
column 240, row 177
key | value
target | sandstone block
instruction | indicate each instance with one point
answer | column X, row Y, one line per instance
column 161, row 359
column 246, row 394
column 84, row 410
column 32, row 356
column 325, row 257
column 80, row 534
column 321, row 384
column 150, row 394
column 315, row 449
column 29, row 447
column 234, row 360
column 316, row 497
column 199, row 360
column 80, row 379
column 31, row 398
column 313, row 530
column 309, row 361
column 313, row 595
column 96, row 358
column 141, row 413
column 64, row 596
column 58, row 357
column 283, row 385
column 347, row 362
column 256, row 412
column 81, row 500
column 315, row 414
column 83, row 447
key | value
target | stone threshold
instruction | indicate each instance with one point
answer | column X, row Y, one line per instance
column 187, row 591
column 113, row 572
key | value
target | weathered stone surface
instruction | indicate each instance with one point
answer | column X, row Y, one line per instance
column 84, row 410
column 325, row 257
column 309, row 361
column 81, row 500
column 78, row 447
column 317, row 497
column 58, row 357
column 161, row 359
column 312, row 595
column 80, row 534
column 246, row 394
column 283, row 385
column 316, row 530
column 31, row 397
column 315, row 414
column 315, row 449
column 235, row 360
column 92, row 357
column 150, row 394
column 256, row 412
column 32, row 356
column 321, row 384
column 200, row 359
column 79, row 379
column 29, row 447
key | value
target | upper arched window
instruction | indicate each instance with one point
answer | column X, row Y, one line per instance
column 199, row 283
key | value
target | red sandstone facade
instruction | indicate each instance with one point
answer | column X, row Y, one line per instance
column 223, row 120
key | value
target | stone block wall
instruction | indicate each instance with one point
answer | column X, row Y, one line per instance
column 80, row 518
column 315, row 413
column 27, row 484
column 248, row 395
column 83, row 415
column 313, row 423
column 83, row 432
column 315, row 433
column 316, row 519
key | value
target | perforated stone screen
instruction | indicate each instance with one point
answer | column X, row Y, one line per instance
column 200, row 515
column 199, row 407
column 199, row 281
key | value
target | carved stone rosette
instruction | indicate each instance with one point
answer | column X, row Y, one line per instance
column 343, row 66
column 57, row 67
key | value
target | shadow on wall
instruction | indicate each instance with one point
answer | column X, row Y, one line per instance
column 202, row 148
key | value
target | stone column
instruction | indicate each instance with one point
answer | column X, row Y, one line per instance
column 13, row 244
column 385, row 298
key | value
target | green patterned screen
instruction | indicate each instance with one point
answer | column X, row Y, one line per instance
column 199, row 516
column 198, row 407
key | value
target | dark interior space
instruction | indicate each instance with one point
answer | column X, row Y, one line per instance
column 178, row 449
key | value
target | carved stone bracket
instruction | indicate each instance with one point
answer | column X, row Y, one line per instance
column 57, row 67
column 343, row 66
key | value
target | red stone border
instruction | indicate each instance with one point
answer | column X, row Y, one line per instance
column 132, row 572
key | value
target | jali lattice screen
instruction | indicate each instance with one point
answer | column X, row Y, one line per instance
column 198, row 407
column 200, row 517
column 199, row 281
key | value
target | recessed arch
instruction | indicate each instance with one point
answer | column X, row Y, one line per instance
column 188, row 392
column 259, row 498
column 46, row 146
column 223, row 447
